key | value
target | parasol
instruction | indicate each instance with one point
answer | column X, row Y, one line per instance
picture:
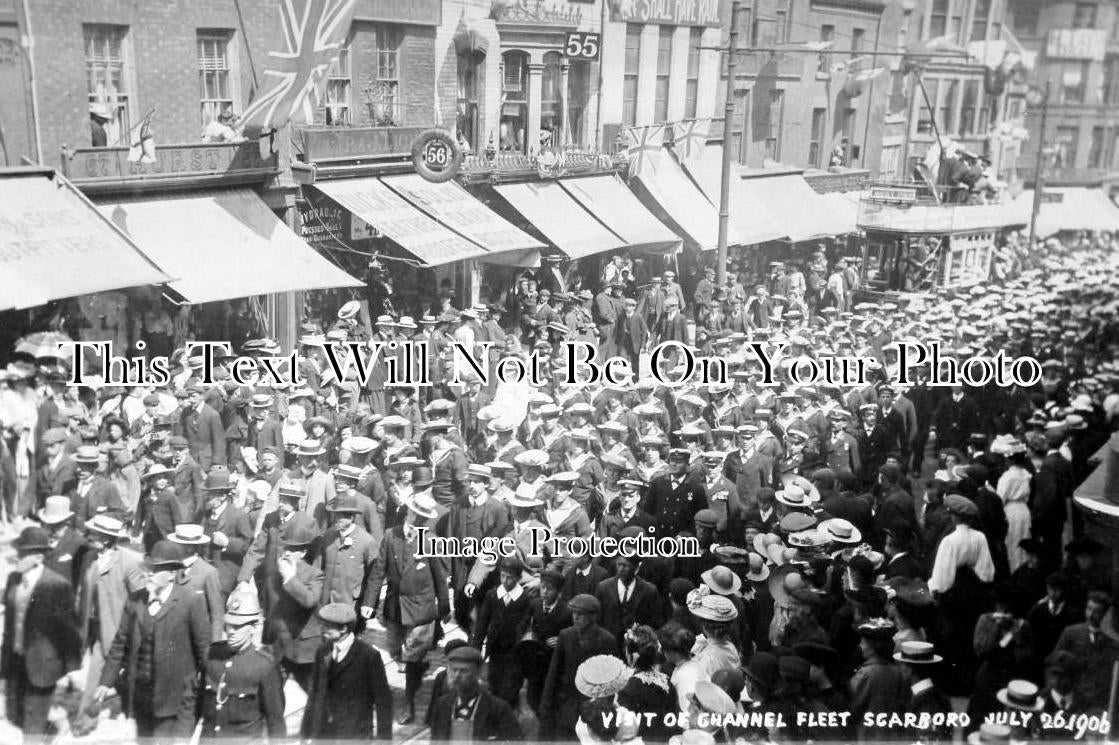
column 43, row 345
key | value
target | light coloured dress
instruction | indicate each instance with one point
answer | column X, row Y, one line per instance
column 1014, row 490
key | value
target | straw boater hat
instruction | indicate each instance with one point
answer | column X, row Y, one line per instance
column 917, row 653
column 1021, row 695
column 106, row 525
column 711, row 698
column 601, row 676
column 189, row 534
column 808, row 539
column 990, row 733
column 693, row 737
column 423, row 505
column 840, row 531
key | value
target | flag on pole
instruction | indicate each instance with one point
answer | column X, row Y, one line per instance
column 690, row 138
column 312, row 33
column 643, row 140
column 141, row 147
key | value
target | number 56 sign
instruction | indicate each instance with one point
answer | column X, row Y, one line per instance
column 582, row 45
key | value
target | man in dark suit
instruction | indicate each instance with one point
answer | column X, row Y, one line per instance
column 626, row 599
column 198, row 576
column 919, row 659
column 548, row 616
column 561, row 700
column 69, row 547
column 348, row 684
column 467, row 712
column 746, row 467
column 188, row 479
column 41, row 642
column 92, row 492
column 631, row 335
column 582, row 576
column 673, row 327
column 674, row 498
column 874, row 439
column 415, row 595
column 896, row 511
column 201, row 425
column 1049, row 492
column 1095, row 651
column 902, row 562
column 263, row 553
column 58, row 472
column 605, row 314
column 293, row 621
column 161, row 646
column 229, row 530
column 503, row 617
column 1051, row 615
column 954, row 419
column 264, row 428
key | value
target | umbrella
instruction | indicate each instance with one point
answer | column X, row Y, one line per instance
column 43, row 344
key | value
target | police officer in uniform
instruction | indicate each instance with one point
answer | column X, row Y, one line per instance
column 243, row 692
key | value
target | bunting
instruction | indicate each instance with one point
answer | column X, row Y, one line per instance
column 643, row 140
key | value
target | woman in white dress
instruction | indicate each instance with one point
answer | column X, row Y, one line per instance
column 1014, row 490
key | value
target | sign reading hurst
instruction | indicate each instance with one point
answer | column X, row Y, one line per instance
column 109, row 163
column 670, row 12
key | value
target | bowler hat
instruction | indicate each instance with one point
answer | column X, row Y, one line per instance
column 218, row 480
column 32, row 538
column 344, row 503
column 166, row 555
column 298, row 533
column 422, row 478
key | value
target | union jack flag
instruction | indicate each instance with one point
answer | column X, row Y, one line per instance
column 643, row 140
column 690, row 138
column 312, row 33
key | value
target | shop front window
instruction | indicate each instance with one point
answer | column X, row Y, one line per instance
column 551, row 101
column 514, row 101
column 578, row 96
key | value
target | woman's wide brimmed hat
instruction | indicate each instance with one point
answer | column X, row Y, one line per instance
column 722, row 580
column 602, row 676
column 711, row 607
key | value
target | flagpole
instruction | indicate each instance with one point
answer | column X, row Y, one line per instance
column 728, row 116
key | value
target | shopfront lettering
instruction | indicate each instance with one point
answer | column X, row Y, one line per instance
column 420, row 12
column 87, row 164
column 675, row 12
column 321, row 144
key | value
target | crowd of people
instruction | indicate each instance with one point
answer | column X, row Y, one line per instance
column 195, row 546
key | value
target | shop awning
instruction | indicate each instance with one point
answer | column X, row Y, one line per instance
column 424, row 237
column 1070, row 208
column 55, row 244
column 749, row 218
column 457, row 209
column 561, row 219
column 680, row 200
column 801, row 212
column 845, row 206
column 608, row 199
column 223, row 244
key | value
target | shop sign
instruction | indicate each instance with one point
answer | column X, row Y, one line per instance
column 901, row 194
column 420, row 12
column 538, row 13
column 580, row 45
column 323, row 222
column 1076, row 43
column 106, row 163
column 670, row 12
column 352, row 143
column 436, row 155
column 452, row 205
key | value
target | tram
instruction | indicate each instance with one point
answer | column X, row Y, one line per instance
column 919, row 241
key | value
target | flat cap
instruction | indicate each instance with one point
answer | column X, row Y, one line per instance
column 339, row 614
column 584, row 603
column 465, row 653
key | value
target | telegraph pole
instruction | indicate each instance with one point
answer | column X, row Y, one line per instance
column 728, row 116
column 1039, row 168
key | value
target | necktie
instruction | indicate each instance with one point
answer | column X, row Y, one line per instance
column 626, row 589
column 505, row 600
column 154, row 606
column 337, row 654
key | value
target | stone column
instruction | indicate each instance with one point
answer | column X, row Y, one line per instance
column 565, row 110
column 535, row 86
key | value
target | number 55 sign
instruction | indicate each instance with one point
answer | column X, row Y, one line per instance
column 582, row 45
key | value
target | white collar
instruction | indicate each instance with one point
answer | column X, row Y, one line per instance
column 188, row 562
column 31, row 576
column 341, row 648
column 921, row 686
column 479, row 501
column 584, row 571
column 509, row 595
column 215, row 514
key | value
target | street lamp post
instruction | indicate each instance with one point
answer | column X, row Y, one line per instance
column 1039, row 168
column 728, row 116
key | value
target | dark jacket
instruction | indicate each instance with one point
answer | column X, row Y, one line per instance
column 188, row 481
column 51, row 646
column 416, row 592
column 296, row 628
column 242, row 694
column 227, row 559
column 181, row 643
column 206, row 435
column 493, row 719
column 343, row 696
column 674, row 508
